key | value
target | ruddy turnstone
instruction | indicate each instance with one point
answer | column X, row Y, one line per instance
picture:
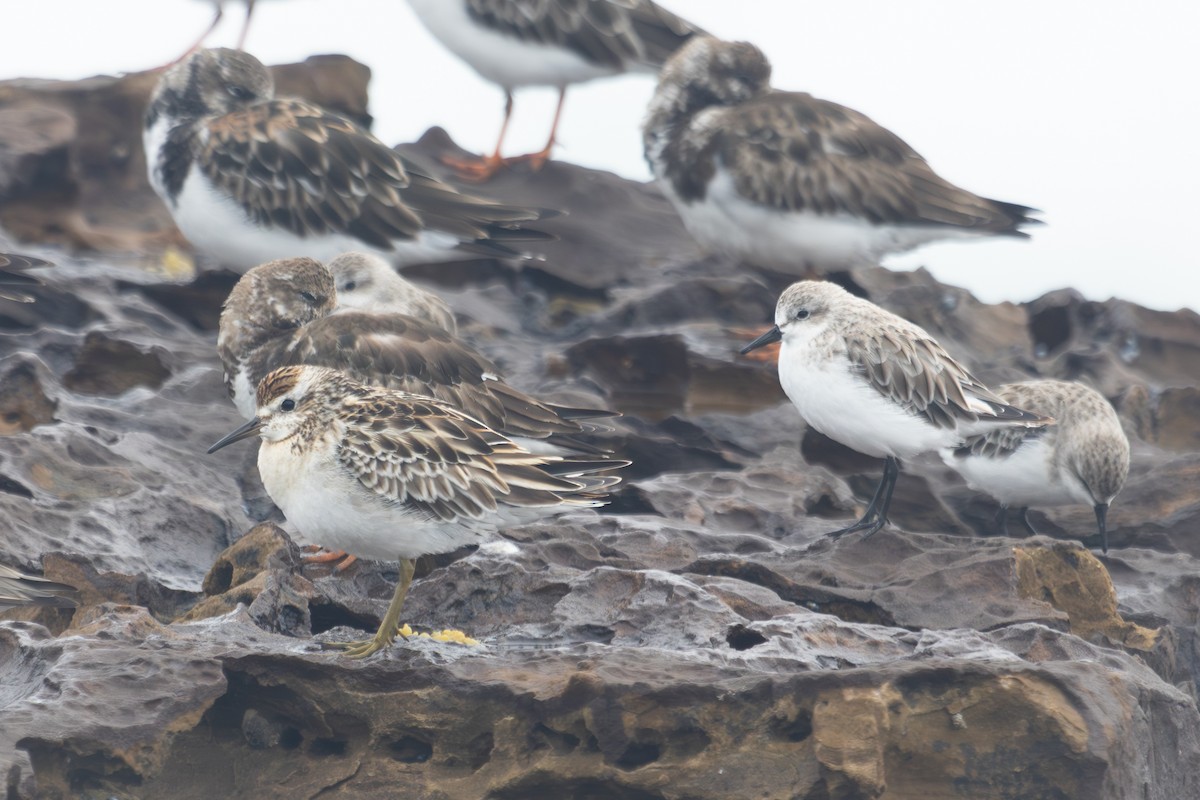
column 786, row 181
column 381, row 473
column 1082, row 458
column 877, row 383
column 516, row 43
column 281, row 313
column 14, row 271
column 19, row 589
column 366, row 282
column 250, row 178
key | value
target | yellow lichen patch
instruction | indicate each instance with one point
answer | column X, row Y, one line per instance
column 448, row 635
column 176, row 264
column 1074, row 581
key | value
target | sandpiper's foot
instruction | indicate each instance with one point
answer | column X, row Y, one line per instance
column 315, row 554
column 476, row 169
column 364, row 647
column 871, row 526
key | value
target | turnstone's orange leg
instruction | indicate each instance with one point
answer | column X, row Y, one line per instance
column 767, row 354
column 246, row 25
column 196, row 44
column 314, row 555
column 538, row 160
column 478, row 170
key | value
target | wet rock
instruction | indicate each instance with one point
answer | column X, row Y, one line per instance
column 23, row 403
column 111, row 367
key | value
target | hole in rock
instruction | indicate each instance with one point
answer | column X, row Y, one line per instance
column 795, row 729
column 638, row 754
column 222, row 578
column 742, row 638
column 327, row 747
column 290, row 738
column 327, row 616
column 1050, row 328
column 411, row 750
column 479, row 750
column 560, row 742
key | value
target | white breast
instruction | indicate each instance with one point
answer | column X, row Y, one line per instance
column 726, row 222
column 844, row 407
column 501, row 59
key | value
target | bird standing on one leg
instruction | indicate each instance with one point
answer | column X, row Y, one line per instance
column 877, row 383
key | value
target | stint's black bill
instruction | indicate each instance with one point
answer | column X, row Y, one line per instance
column 1101, row 517
column 244, row 432
column 773, row 335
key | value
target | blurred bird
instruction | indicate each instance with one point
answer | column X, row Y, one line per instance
column 249, row 178
column 19, row 589
column 1082, row 458
column 787, row 181
column 516, row 43
column 14, row 272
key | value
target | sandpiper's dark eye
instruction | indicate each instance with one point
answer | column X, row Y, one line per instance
column 309, row 298
column 288, row 405
column 238, row 92
column 350, row 286
column 802, row 314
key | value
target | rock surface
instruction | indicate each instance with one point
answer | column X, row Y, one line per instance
column 698, row 638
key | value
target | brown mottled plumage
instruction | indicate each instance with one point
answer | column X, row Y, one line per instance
column 804, row 180
column 281, row 314
column 378, row 472
column 302, row 180
column 19, row 589
column 1083, row 458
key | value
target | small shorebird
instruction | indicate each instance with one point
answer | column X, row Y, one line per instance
column 366, row 282
column 789, row 182
column 281, row 313
column 249, row 178
column 14, row 271
column 1082, row 458
column 516, row 43
column 877, row 383
column 19, row 589
column 379, row 472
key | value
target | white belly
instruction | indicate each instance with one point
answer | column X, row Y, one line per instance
column 218, row 227
column 726, row 222
column 1028, row 477
column 325, row 506
column 501, row 59
column 844, row 407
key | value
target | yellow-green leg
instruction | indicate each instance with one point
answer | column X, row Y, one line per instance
column 391, row 620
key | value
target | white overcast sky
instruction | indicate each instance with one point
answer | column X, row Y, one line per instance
column 1087, row 110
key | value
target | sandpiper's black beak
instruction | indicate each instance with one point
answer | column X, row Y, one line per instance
column 773, row 335
column 1101, row 516
column 244, row 432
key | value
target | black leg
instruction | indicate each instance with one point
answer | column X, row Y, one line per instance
column 1002, row 521
column 1024, row 517
column 875, row 516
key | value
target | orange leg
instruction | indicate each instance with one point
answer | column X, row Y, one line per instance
column 246, row 25
column 313, row 555
column 538, row 160
column 482, row 169
column 196, row 44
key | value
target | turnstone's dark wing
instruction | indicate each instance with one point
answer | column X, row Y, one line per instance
column 418, row 357
column 434, row 459
column 19, row 589
column 794, row 152
column 915, row 372
column 292, row 165
column 12, row 273
column 484, row 225
column 613, row 33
